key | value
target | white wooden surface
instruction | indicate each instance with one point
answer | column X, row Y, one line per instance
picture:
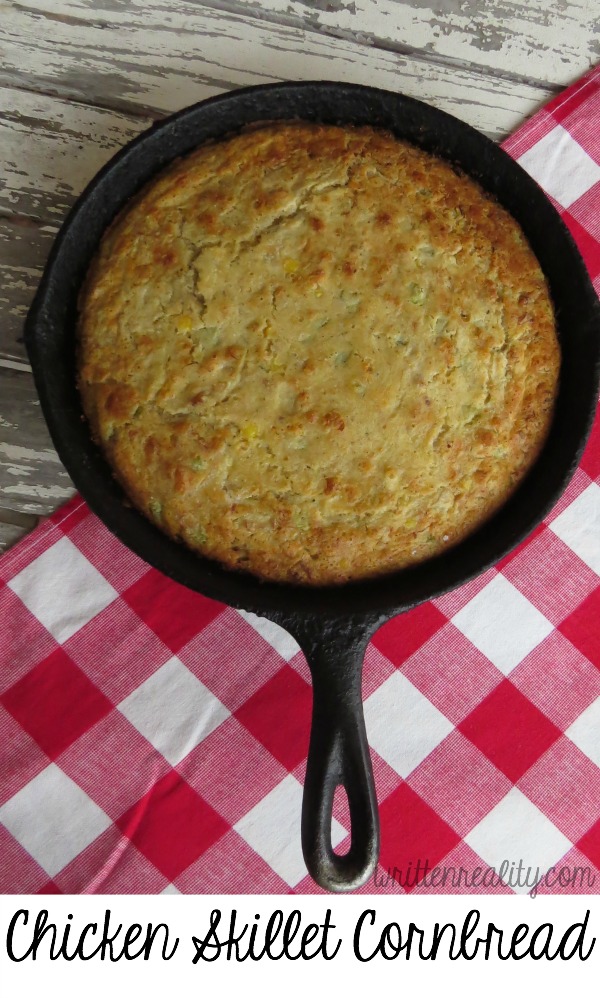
column 79, row 78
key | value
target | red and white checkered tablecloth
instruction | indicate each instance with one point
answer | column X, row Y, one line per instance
column 155, row 740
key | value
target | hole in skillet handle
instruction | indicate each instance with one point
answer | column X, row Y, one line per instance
column 340, row 804
column 338, row 752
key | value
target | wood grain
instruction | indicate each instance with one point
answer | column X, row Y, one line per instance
column 49, row 150
column 32, row 479
column 24, row 247
column 10, row 533
column 14, row 525
column 539, row 41
column 159, row 56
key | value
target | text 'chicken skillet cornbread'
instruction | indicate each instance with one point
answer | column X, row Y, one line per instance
column 317, row 353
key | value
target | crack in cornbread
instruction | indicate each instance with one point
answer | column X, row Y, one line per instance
column 317, row 353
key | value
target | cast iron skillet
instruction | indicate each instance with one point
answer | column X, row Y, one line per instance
column 332, row 624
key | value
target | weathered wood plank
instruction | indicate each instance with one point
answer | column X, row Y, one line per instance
column 24, row 247
column 529, row 40
column 14, row 525
column 159, row 56
column 10, row 533
column 32, row 479
column 548, row 41
column 49, row 150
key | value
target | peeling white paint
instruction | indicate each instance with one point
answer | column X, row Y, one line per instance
column 35, row 508
column 14, row 365
column 14, row 453
column 18, row 471
column 544, row 40
column 136, row 62
column 38, row 492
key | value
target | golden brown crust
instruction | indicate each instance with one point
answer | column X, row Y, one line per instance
column 317, row 353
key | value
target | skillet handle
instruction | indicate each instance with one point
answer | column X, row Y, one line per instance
column 338, row 754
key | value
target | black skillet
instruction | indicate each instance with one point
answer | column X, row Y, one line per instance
column 332, row 624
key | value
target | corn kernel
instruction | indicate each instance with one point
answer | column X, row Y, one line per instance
column 290, row 265
column 417, row 294
column 250, row 431
column 198, row 535
column 155, row 508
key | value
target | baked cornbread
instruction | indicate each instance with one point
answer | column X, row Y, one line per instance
column 317, row 353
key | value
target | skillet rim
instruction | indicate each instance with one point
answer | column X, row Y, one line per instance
column 53, row 367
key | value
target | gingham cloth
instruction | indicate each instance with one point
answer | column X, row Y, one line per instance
column 155, row 740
